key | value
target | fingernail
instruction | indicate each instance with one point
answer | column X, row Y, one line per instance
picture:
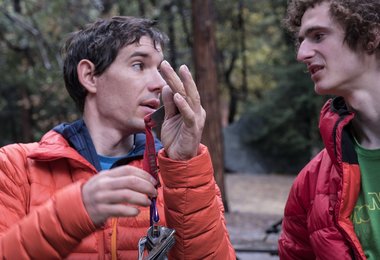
column 154, row 195
column 153, row 181
column 186, row 70
column 166, row 64
column 178, row 96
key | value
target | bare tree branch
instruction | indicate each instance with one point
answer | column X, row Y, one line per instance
column 35, row 32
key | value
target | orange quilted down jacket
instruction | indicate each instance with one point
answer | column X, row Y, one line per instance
column 43, row 216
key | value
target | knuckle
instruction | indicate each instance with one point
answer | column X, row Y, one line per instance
column 133, row 180
column 102, row 184
column 127, row 196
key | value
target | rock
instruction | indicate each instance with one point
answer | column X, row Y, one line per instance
column 238, row 156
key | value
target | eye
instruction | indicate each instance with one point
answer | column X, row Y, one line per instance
column 138, row 66
column 318, row 37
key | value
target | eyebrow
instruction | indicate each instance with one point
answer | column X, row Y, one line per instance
column 309, row 31
column 142, row 54
column 139, row 54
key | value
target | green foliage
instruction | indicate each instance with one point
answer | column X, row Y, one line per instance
column 284, row 124
column 280, row 113
column 33, row 97
column 263, row 42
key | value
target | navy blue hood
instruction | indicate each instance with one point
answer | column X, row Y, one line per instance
column 79, row 138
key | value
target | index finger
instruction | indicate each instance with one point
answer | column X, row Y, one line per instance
column 126, row 170
column 192, row 94
column 171, row 78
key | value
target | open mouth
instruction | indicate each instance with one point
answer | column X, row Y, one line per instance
column 152, row 104
column 315, row 69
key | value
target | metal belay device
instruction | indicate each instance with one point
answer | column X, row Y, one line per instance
column 157, row 242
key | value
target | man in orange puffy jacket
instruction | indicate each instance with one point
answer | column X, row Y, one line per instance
column 333, row 209
column 81, row 192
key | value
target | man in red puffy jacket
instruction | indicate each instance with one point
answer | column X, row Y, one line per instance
column 333, row 209
column 81, row 192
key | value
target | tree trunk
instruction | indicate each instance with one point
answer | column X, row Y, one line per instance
column 204, row 53
column 169, row 16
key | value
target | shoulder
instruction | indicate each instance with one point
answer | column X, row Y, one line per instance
column 15, row 158
column 318, row 167
column 13, row 161
column 16, row 152
column 312, row 179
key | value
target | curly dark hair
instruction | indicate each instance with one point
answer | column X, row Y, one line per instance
column 100, row 42
column 359, row 18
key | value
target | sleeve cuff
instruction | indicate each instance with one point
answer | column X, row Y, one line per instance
column 192, row 173
column 72, row 212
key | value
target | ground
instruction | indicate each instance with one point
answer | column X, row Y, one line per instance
column 256, row 203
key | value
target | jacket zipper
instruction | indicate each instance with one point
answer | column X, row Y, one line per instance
column 114, row 239
column 354, row 250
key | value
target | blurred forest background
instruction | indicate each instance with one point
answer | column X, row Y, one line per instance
column 259, row 83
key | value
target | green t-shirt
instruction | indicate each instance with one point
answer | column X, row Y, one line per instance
column 366, row 215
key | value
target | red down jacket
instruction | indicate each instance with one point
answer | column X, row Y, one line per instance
column 43, row 216
column 317, row 221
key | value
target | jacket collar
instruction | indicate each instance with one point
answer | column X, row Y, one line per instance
column 75, row 135
column 334, row 127
column 79, row 138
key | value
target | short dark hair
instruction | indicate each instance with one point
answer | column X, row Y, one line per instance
column 359, row 18
column 100, row 42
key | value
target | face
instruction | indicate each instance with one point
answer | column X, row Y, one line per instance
column 334, row 67
column 129, row 89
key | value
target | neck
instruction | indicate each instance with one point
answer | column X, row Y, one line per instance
column 108, row 141
column 367, row 136
column 366, row 123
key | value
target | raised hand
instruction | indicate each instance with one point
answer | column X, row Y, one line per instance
column 184, row 115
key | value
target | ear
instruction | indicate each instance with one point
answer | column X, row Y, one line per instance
column 86, row 70
column 374, row 42
column 377, row 37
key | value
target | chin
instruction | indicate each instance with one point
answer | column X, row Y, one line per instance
column 141, row 128
column 322, row 90
column 138, row 126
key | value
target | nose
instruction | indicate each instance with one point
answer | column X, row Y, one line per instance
column 305, row 52
column 158, row 82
